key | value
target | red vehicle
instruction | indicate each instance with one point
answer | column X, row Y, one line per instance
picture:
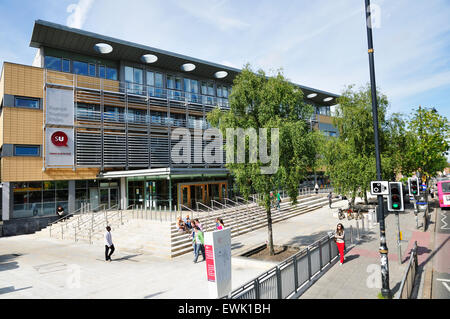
column 443, row 188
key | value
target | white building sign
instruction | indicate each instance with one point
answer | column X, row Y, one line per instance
column 59, row 147
column 59, row 107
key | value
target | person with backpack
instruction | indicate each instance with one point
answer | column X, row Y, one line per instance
column 199, row 243
column 278, row 201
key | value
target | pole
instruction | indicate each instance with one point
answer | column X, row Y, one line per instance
column 385, row 291
column 399, row 242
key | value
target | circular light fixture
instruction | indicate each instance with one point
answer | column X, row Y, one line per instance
column 188, row 67
column 220, row 74
column 310, row 96
column 149, row 58
column 103, row 48
column 327, row 99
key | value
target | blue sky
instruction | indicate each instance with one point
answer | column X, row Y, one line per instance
column 320, row 44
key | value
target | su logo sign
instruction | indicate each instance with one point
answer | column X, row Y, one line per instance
column 59, row 139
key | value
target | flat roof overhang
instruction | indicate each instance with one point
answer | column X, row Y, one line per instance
column 61, row 37
column 167, row 172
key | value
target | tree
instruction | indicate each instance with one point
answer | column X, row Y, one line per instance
column 258, row 101
column 350, row 158
column 429, row 149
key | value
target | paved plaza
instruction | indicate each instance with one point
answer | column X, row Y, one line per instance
column 36, row 267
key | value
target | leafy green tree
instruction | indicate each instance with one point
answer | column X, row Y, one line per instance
column 350, row 158
column 429, row 149
column 258, row 101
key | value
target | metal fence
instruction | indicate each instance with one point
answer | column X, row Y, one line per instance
column 293, row 274
column 407, row 284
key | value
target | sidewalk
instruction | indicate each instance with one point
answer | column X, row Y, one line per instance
column 36, row 267
column 359, row 277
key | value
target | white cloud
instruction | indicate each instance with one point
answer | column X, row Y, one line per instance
column 79, row 13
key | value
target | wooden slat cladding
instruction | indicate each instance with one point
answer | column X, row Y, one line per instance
column 22, row 126
column 22, row 169
column 23, row 80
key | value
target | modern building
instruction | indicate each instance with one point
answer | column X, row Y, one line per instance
column 91, row 120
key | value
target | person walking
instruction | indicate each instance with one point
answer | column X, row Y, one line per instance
column 316, row 188
column 339, row 238
column 221, row 225
column 278, row 200
column 199, row 243
column 330, row 199
column 109, row 247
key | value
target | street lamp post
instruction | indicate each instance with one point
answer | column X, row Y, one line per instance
column 385, row 291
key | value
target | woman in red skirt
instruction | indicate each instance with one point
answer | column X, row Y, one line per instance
column 339, row 238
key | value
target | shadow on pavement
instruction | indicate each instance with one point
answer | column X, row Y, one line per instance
column 126, row 258
column 7, row 263
column 10, row 289
column 350, row 258
column 155, row 294
column 307, row 239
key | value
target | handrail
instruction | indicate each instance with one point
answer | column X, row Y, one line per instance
column 214, row 201
column 227, row 199
column 412, row 262
column 90, row 219
column 65, row 217
column 247, row 201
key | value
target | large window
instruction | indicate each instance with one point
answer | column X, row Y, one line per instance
column 52, row 63
column 208, row 93
column 65, row 65
column 111, row 73
column 26, row 150
column 31, row 103
column 174, row 87
column 80, row 68
column 222, row 95
column 134, row 80
column 92, row 69
column 191, row 89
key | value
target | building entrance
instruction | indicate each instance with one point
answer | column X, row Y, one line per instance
column 191, row 194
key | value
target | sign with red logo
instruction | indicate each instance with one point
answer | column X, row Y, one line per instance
column 59, row 139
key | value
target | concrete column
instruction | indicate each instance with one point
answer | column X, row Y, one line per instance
column 123, row 193
column 7, row 201
column 71, row 197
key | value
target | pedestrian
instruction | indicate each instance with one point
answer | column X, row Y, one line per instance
column 221, row 224
column 60, row 211
column 278, row 200
column 272, row 199
column 109, row 247
column 330, row 198
column 339, row 238
column 187, row 222
column 181, row 226
column 197, row 223
column 316, row 188
column 199, row 243
column 432, row 192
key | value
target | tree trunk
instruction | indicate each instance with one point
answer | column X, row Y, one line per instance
column 366, row 202
column 269, row 232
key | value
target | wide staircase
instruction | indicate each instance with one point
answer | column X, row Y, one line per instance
column 137, row 231
column 242, row 217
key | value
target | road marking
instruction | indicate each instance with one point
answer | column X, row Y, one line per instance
column 444, row 283
column 444, row 216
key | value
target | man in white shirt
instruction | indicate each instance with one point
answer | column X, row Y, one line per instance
column 108, row 244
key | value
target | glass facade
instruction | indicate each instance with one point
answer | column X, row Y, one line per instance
column 80, row 67
column 39, row 198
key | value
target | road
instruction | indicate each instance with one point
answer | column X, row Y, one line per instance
column 441, row 260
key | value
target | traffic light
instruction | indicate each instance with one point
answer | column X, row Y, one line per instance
column 413, row 185
column 395, row 198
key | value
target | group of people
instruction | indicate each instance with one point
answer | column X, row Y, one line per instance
column 195, row 228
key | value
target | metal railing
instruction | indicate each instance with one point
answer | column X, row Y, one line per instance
column 407, row 284
column 288, row 277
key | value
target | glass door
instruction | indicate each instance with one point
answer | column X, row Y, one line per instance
column 186, row 196
column 113, row 197
column 93, row 198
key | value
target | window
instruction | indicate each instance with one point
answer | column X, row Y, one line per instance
column 22, row 150
column 101, row 71
column 208, row 89
column 80, row 68
column 26, row 102
column 52, row 63
column 65, row 65
column 134, row 78
column 191, row 89
column 92, row 69
column 174, row 86
column 111, row 74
